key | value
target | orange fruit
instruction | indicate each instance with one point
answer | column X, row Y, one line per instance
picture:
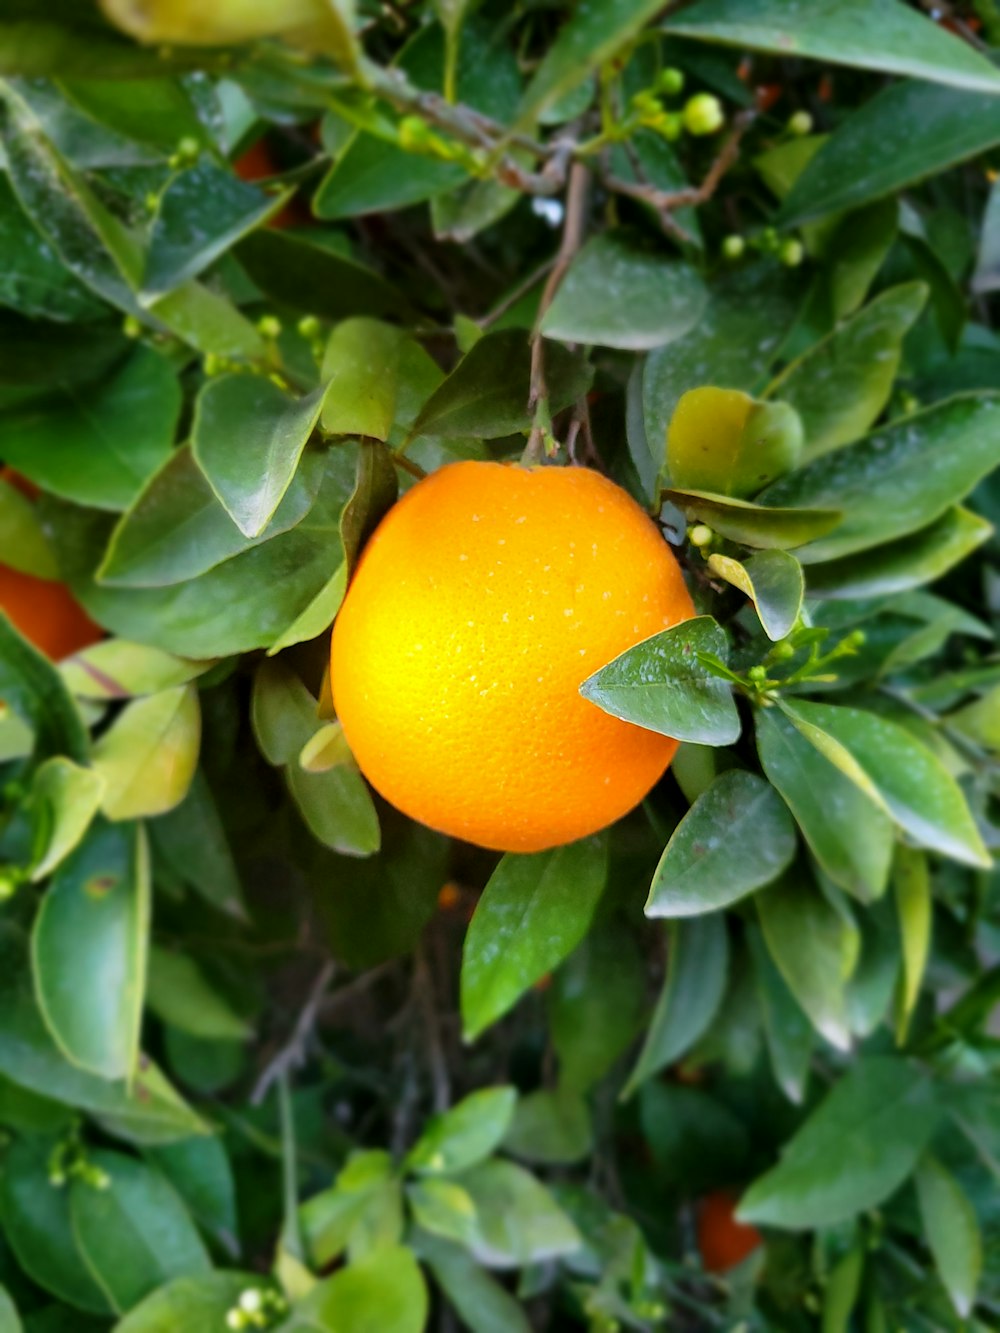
column 722, row 1241
column 482, row 602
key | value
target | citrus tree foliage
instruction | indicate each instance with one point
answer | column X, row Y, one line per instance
column 271, row 1056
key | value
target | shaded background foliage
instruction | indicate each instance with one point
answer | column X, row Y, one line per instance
column 272, row 1055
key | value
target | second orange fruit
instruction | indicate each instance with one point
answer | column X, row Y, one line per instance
column 482, row 602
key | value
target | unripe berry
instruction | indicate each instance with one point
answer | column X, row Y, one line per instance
column 800, row 124
column 703, row 114
column 269, row 326
column 701, row 535
column 733, row 246
column 757, row 673
column 791, row 253
column 671, row 82
column 308, row 327
column 670, row 126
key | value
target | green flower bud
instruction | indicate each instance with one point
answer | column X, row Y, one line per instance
column 669, row 125
column 757, row 673
column 131, row 327
column 800, row 124
column 309, row 327
column 252, row 1300
column 791, row 253
column 671, row 82
column 414, row 134
column 703, row 114
column 269, row 326
column 733, row 246
column 701, row 535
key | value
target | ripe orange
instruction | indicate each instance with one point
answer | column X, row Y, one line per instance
column 722, row 1240
column 482, row 602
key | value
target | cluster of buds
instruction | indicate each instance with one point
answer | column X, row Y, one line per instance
column 789, row 249
column 257, row 1307
column 68, row 1161
column 186, row 153
column 700, row 115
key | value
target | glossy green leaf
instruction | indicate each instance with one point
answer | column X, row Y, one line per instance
column 317, row 616
column 788, row 1032
column 148, row 757
column 22, row 539
column 883, row 35
column 853, row 1152
column 841, row 1290
column 724, row 441
column 180, row 994
column 465, row 1134
column 813, row 950
column 912, row 885
column 247, row 437
column 850, row 836
column 66, row 798
column 337, row 807
column 774, row 583
column 124, row 427
column 487, row 392
column 361, row 373
column 758, row 525
column 875, row 151
column 952, row 1230
column 550, row 1126
column 906, row 563
column 136, row 1234
column 34, row 280
column 115, row 669
column 481, row 1302
column 898, row 479
column 533, row 913
column 283, row 713
column 385, row 1290
column 858, row 249
column 898, row 772
column 32, row 688
column 697, row 972
column 619, row 293
column 840, row 385
column 195, row 1304
column 374, row 494
column 661, row 684
column 192, row 841
column 736, row 837
column 158, row 111
column 199, row 1170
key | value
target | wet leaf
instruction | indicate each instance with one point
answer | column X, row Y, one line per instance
column 773, row 581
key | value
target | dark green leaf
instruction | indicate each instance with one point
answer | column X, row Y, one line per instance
column 292, row 271
column 757, row 525
column 858, row 249
column 952, row 1231
column 551, row 1127
column 788, row 1032
column 661, row 684
column 914, row 904
column 191, row 839
column 533, row 913
column 361, row 374
column 337, row 807
column 180, row 994
column 514, row 1220
column 773, row 581
column 374, row 493
column 34, row 281
column 200, row 1172
column 31, row 686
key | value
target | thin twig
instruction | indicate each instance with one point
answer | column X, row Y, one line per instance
column 424, row 988
column 343, row 994
column 512, row 299
column 293, row 1053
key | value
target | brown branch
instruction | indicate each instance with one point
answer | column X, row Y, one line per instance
column 293, row 1053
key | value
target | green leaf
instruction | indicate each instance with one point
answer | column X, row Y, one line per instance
column 773, row 581
column 487, row 392
column 550, row 1126
column 361, row 372
column 37, row 1225
column 912, row 884
column 317, row 616
column 374, row 494
column 663, row 685
column 32, row 687
column 200, row 1172
column 481, row 1302
column 247, row 437
column 115, row 669
column 858, row 249
column 849, row 836
column 158, row 111
column 192, row 841
column 755, row 524
column 514, row 1220
column 89, row 950
column 34, row 280
column 337, row 807
column 10, row 1320
column 840, row 385
column 465, row 1134
column 123, row 426
column 149, row 755
column 619, row 293
column 952, row 1231
column 697, row 970
column 177, row 528
column 907, row 563
column 22, row 540
column 986, row 278
column 180, row 994
column 724, row 441
column 813, row 950
column 875, row 152
column 385, row 1290
column 136, row 1234
column 66, row 798
column 841, row 1291
column 533, row 913
column 195, row 1304
column 853, row 1152
column 737, row 837
column 883, row 35
column 203, row 211
column 788, row 1032
column 898, row 479
column 898, row 772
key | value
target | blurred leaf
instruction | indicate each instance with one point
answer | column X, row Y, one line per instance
column 466, row 1133
column 755, row 524
column 66, row 797
column 788, row 1032
column 697, row 972
column 34, row 281
column 192, row 840
column 200, row 1172
column 149, row 755
column 850, row 837
column 10, row 1321
column 123, row 426
column 736, row 837
column 883, row 35
column 661, row 684
column 550, row 1126
column 325, row 749
column 31, row 686
column 952, row 1231
column 773, row 581
column 813, row 950
column 619, row 293
column 22, row 540
column 157, row 111
column 875, row 152
column 697, row 1142
column 332, row 1219
column 858, row 249
column 898, row 773
column 853, row 1151
column 195, row 1304
column 841, row 1291
column 37, row 1225
column 907, row 563
column 487, row 392
column 317, row 616
column 361, row 374
column 179, row 993
column 337, row 807
column 533, row 913
column 136, row 1234
column 373, row 496
column 840, row 385
column 724, row 441
column 481, row 1302
column 247, row 437
column 515, row 1220
column 89, row 950
column 986, row 278
column 912, row 884
column 385, row 1290
column 899, row 478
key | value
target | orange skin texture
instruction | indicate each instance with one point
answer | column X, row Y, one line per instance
column 482, row 602
column 722, row 1241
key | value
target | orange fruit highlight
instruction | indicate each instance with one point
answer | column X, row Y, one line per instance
column 482, row 602
column 722, row 1241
